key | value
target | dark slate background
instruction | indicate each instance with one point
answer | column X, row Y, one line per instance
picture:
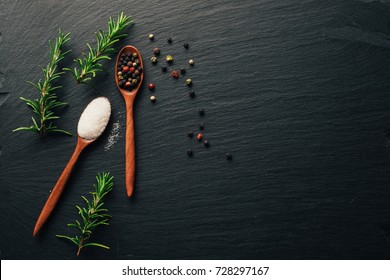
column 297, row 91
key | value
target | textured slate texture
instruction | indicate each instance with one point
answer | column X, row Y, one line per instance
column 297, row 91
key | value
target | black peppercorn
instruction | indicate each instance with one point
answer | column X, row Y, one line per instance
column 186, row 46
column 189, row 152
column 190, row 134
column 229, row 156
column 201, row 112
column 169, row 40
column 192, row 94
column 140, row 69
column 201, row 126
column 206, row 143
column 183, row 70
column 164, row 69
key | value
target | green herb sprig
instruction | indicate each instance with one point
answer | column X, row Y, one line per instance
column 43, row 107
column 90, row 64
column 93, row 214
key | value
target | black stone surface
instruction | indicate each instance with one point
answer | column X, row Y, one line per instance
column 297, row 91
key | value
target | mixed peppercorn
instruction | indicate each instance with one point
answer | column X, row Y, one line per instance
column 188, row 82
column 129, row 71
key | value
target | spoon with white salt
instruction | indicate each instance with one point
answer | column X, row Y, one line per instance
column 92, row 123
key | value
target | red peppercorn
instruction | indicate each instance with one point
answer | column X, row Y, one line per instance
column 200, row 136
column 128, row 84
column 125, row 69
column 151, row 86
column 175, row 74
column 132, row 69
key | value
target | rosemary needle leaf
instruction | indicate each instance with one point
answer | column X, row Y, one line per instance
column 43, row 107
column 69, row 238
column 91, row 214
column 97, row 245
column 89, row 65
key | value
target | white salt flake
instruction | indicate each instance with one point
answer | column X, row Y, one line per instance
column 113, row 137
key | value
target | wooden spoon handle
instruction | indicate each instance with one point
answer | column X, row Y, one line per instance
column 130, row 148
column 59, row 187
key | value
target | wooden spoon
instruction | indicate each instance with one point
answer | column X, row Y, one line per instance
column 60, row 185
column 97, row 127
column 129, row 97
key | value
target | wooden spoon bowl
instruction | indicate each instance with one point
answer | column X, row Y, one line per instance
column 129, row 96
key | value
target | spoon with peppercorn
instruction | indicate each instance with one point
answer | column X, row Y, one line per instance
column 128, row 77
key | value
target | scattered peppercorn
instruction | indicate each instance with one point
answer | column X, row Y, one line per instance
column 201, row 112
column 151, row 86
column 229, row 156
column 156, row 51
column 200, row 136
column 206, row 143
column 164, row 69
column 175, row 74
column 191, row 62
column 153, row 59
column 169, row 58
column 151, row 36
column 191, row 93
column 189, row 152
column 169, row 40
column 183, row 70
column 188, row 82
column 186, row 46
column 152, row 98
column 201, row 126
column 190, row 134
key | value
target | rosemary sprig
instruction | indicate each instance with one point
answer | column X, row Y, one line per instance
column 90, row 64
column 92, row 215
column 43, row 107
